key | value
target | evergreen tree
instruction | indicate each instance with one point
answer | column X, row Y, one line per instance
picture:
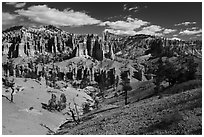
column 180, row 70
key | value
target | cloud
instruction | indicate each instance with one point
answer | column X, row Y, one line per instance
column 17, row 4
column 8, row 18
column 45, row 15
column 120, row 32
column 133, row 26
column 185, row 23
column 175, row 35
column 133, row 8
column 130, row 8
column 20, row 5
column 168, row 31
column 124, row 6
column 190, row 32
column 126, row 27
column 11, row 3
column 151, row 30
column 192, row 28
column 129, row 24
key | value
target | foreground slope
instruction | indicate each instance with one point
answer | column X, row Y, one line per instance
column 176, row 114
column 26, row 115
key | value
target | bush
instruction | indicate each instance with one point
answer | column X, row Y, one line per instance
column 173, row 70
column 165, row 122
column 86, row 107
column 192, row 84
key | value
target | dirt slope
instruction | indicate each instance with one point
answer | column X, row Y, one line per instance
column 18, row 119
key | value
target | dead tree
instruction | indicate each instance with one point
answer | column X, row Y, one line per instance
column 73, row 115
column 12, row 94
column 125, row 83
column 77, row 112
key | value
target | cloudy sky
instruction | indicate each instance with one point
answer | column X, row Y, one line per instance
column 173, row 20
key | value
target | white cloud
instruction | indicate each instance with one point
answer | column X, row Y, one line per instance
column 17, row 4
column 185, row 23
column 133, row 8
column 130, row 8
column 133, row 26
column 8, row 18
column 45, row 15
column 124, row 6
column 124, row 27
column 167, row 31
column 129, row 24
column 20, row 5
column 11, row 3
column 175, row 35
column 189, row 32
column 121, row 32
column 151, row 30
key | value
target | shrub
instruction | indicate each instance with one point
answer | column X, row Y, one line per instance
column 86, row 107
column 192, row 84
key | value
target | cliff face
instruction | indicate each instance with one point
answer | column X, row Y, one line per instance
column 133, row 47
column 21, row 42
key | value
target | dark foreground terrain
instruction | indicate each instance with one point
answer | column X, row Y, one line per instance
column 179, row 113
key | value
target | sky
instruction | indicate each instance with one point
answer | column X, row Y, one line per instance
column 178, row 20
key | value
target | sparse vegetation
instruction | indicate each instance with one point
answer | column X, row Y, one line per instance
column 182, row 87
column 87, row 88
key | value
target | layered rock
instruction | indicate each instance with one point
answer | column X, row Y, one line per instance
column 22, row 42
